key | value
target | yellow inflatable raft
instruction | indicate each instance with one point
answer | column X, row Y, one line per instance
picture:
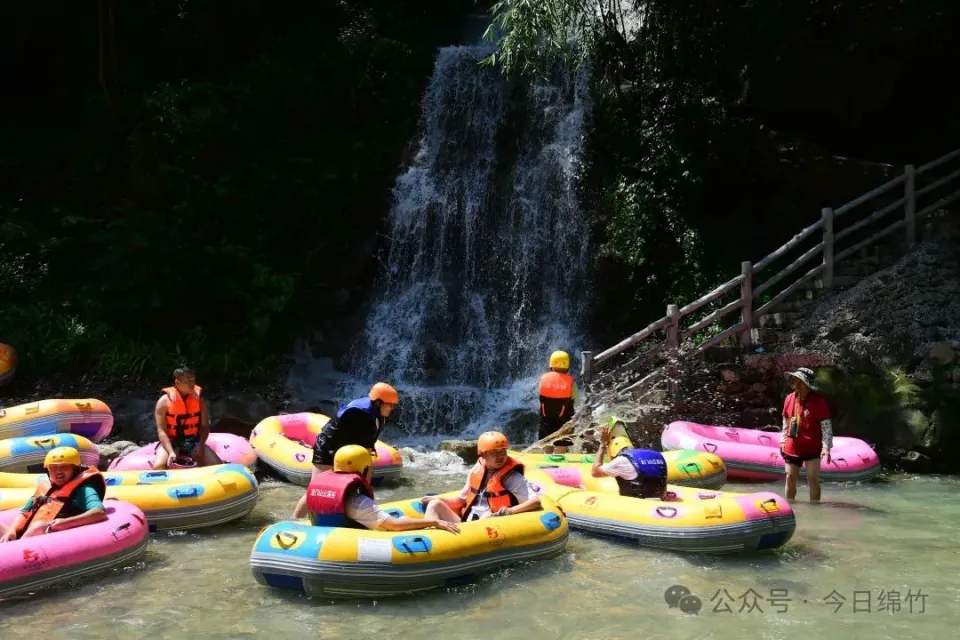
column 696, row 520
column 25, row 455
column 341, row 562
column 89, row 418
column 175, row 499
column 684, row 468
column 285, row 444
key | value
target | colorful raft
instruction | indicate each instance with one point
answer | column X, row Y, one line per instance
column 342, row 562
column 176, row 499
column 89, row 418
column 684, row 468
column 697, row 521
column 230, row 448
column 25, row 455
column 40, row 561
column 285, row 444
column 751, row 454
column 8, row 364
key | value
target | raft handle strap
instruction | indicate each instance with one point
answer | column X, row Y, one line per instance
column 708, row 445
column 280, row 541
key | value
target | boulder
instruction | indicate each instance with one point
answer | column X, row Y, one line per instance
column 521, row 425
column 133, row 419
column 466, row 449
column 113, row 450
column 246, row 407
column 942, row 353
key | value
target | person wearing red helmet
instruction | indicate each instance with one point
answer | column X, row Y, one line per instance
column 495, row 487
column 358, row 422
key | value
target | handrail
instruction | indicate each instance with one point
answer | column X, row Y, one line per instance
column 675, row 335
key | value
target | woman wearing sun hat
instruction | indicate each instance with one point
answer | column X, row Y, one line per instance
column 807, row 432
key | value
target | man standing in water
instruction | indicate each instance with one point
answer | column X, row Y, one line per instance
column 558, row 394
column 359, row 423
column 807, row 433
column 183, row 424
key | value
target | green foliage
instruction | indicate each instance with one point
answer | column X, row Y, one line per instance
column 205, row 211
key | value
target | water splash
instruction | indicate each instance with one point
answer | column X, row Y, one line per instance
column 489, row 251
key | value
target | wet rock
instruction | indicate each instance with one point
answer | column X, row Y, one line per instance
column 133, row 419
column 915, row 462
column 466, row 449
column 915, row 425
column 233, row 426
column 246, row 407
column 522, row 425
column 113, row 450
column 942, row 352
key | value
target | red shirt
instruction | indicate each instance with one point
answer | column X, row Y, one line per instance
column 811, row 412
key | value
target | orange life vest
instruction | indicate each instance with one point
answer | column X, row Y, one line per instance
column 48, row 502
column 183, row 415
column 496, row 494
column 556, row 386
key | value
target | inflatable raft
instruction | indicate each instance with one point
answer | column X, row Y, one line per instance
column 342, row 562
column 40, row 561
column 25, row 455
column 230, row 448
column 695, row 520
column 89, row 418
column 8, row 364
column 285, row 444
column 177, row 499
column 751, row 454
column 684, row 468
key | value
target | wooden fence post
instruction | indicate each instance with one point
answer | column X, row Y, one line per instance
column 746, row 296
column 586, row 366
column 910, row 204
column 827, row 219
column 673, row 326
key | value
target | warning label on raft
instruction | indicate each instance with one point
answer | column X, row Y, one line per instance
column 374, row 550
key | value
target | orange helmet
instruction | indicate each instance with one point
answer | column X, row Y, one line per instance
column 490, row 441
column 385, row 393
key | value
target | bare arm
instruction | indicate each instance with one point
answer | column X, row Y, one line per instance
column 404, row 523
column 204, row 422
column 531, row 504
column 92, row 516
column 160, row 416
column 595, row 471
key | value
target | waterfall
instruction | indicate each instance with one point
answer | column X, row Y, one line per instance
column 487, row 267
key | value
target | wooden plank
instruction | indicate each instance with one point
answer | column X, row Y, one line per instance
column 933, row 164
column 673, row 326
column 632, row 340
column 788, row 269
column 876, row 215
column 710, row 297
column 827, row 213
column 586, row 366
column 867, row 242
column 939, row 203
column 627, row 367
column 712, row 318
column 870, row 195
column 786, row 292
column 746, row 302
column 720, row 337
column 793, row 242
column 939, row 183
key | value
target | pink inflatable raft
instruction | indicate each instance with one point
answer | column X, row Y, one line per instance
column 40, row 561
column 750, row 454
column 228, row 447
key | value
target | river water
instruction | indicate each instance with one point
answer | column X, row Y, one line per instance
column 871, row 546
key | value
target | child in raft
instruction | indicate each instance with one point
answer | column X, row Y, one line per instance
column 495, row 487
column 640, row 473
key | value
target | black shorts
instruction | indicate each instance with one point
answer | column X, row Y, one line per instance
column 322, row 455
column 797, row 461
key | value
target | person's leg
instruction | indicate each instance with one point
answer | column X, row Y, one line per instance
column 441, row 511
column 208, row 457
column 813, row 479
column 160, row 459
column 300, row 510
column 793, row 472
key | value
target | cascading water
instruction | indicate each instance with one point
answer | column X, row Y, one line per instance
column 487, row 267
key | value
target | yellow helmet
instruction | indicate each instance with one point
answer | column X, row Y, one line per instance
column 352, row 459
column 491, row 441
column 62, row 455
column 559, row 360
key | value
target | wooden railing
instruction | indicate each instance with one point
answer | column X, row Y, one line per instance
column 667, row 339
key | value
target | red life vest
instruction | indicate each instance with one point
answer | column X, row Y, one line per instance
column 48, row 501
column 327, row 497
column 183, row 414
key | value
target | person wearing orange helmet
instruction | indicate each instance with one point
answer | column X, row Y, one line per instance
column 495, row 487
column 358, row 422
